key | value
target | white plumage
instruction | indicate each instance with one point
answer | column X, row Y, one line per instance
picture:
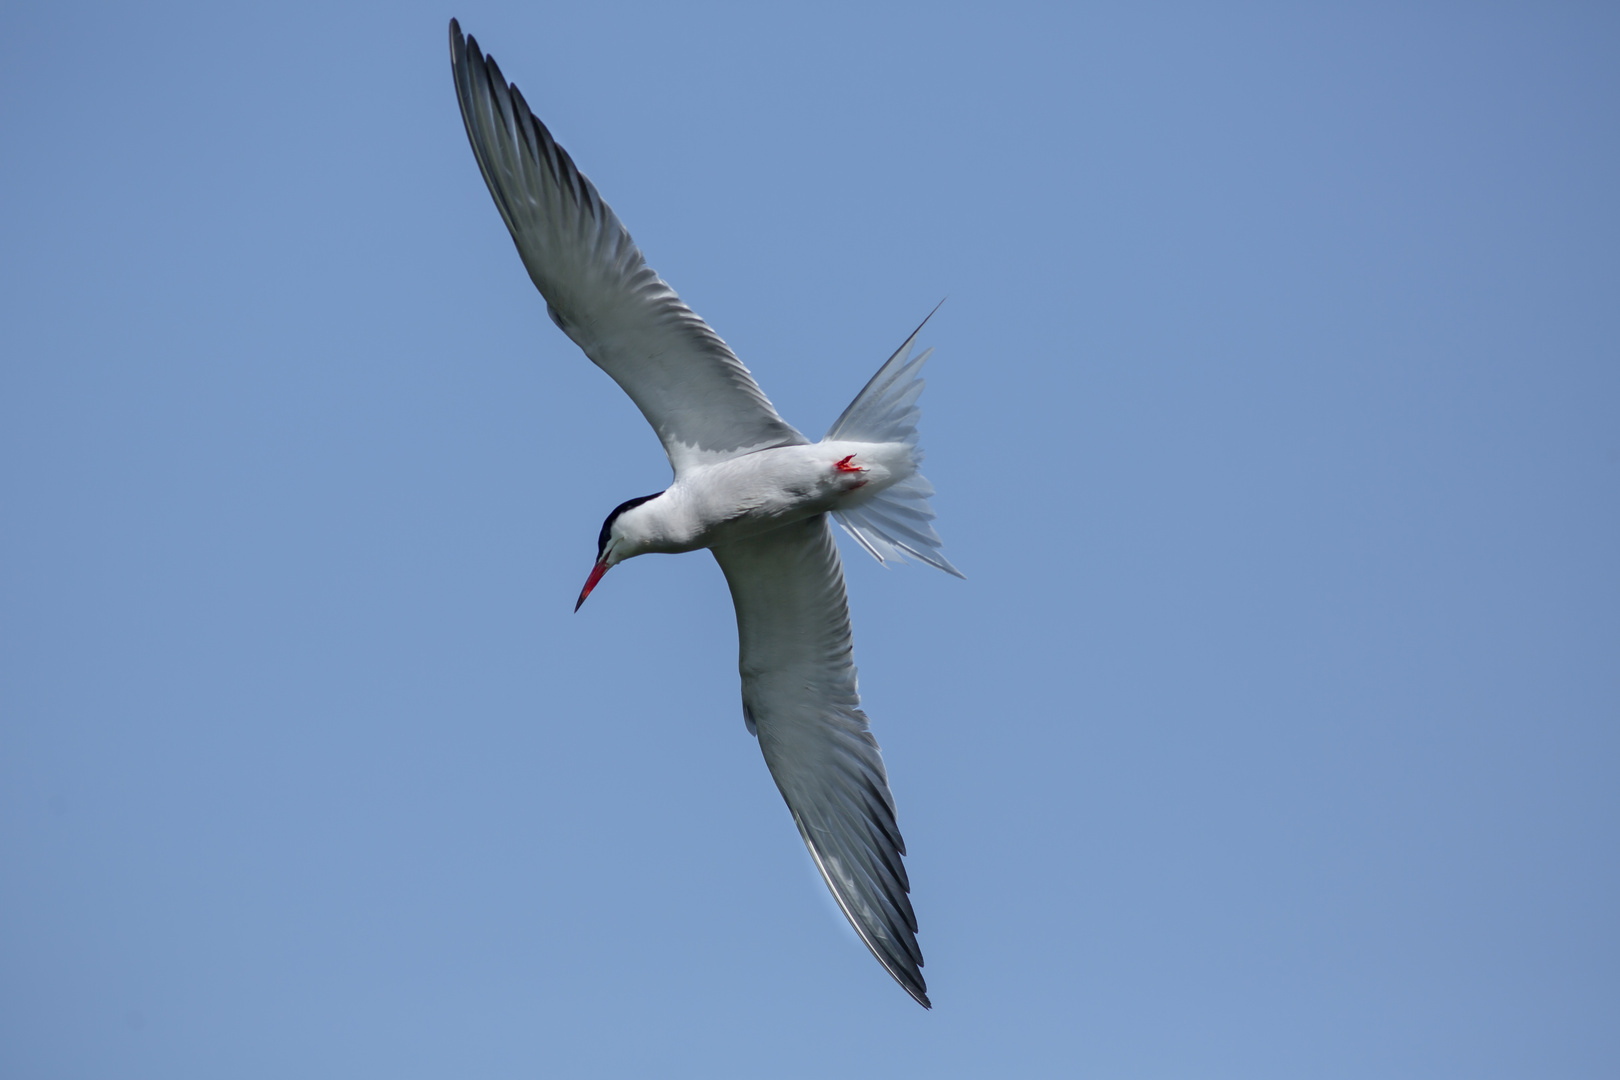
column 749, row 487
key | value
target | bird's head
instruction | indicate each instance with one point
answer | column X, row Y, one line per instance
column 614, row 544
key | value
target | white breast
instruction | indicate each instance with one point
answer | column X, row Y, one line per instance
column 752, row 494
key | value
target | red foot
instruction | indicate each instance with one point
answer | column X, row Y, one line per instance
column 845, row 466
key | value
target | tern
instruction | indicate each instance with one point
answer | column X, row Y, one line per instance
column 747, row 486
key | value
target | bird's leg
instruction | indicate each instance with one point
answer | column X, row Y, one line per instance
column 847, row 465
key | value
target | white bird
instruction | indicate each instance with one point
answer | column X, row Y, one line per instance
column 747, row 486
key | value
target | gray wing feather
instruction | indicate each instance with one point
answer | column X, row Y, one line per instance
column 800, row 697
column 696, row 394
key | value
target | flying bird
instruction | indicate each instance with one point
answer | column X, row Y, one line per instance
column 747, row 486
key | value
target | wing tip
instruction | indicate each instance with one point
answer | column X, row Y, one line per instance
column 909, row 976
column 913, row 986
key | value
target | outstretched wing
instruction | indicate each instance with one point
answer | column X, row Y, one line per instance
column 690, row 386
column 800, row 698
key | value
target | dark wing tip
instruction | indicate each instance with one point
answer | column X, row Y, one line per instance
column 463, row 49
column 917, row 989
column 897, row 950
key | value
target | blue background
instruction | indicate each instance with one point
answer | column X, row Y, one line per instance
column 1276, row 422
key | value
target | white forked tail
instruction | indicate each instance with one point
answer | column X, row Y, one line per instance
column 897, row 522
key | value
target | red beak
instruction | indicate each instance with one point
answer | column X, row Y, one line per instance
column 590, row 583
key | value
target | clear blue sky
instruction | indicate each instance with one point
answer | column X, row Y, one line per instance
column 1276, row 423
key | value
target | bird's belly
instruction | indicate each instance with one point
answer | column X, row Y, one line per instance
column 758, row 492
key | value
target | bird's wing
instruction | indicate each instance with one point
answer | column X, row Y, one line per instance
column 690, row 386
column 800, row 698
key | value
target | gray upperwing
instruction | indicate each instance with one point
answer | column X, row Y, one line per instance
column 800, row 696
column 699, row 398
